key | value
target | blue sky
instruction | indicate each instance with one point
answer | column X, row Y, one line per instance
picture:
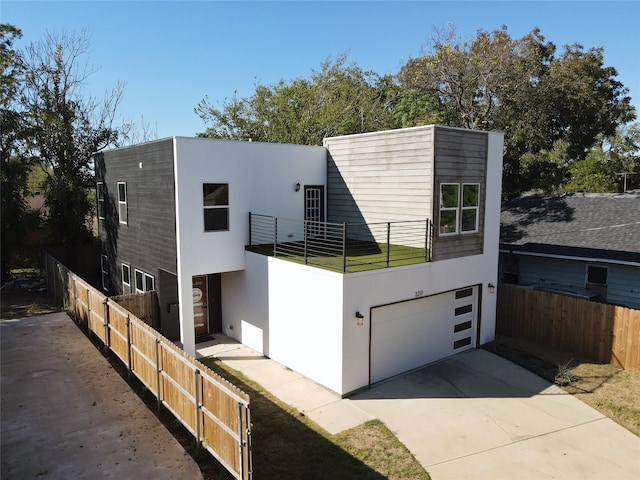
column 171, row 54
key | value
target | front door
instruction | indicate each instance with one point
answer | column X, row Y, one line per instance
column 200, row 296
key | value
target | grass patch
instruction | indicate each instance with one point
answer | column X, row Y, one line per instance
column 288, row 445
column 610, row 390
column 359, row 257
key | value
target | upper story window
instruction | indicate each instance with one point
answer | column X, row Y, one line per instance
column 144, row 281
column 215, row 201
column 459, row 208
column 122, row 202
column 104, row 271
column 100, row 195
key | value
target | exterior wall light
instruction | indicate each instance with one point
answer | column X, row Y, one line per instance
column 492, row 288
column 297, row 187
column 359, row 319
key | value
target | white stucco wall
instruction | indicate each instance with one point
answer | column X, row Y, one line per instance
column 261, row 178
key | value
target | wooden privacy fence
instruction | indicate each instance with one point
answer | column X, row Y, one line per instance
column 605, row 333
column 142, row 305
column 212, row 409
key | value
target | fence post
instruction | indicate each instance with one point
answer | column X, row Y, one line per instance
column 247, row 444
column 250, row 242
column 344, row 247
column 306, row 232
column 126, row 323
column 158, row 372
column 196, row 372
column 275, row 236
column 75, row 301
column 427, row 235
column 88, row 310
column 107, row 343
column 240, row 442
column 388, row 242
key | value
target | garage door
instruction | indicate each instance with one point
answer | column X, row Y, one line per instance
column 410, row 334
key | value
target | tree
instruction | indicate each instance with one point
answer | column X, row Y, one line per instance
column 541, row 102
column 14, row 165
column 607, row 163
column 337, row 100
column 65, row 129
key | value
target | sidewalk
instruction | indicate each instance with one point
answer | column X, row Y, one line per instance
column 67, row 414
column 324, row 407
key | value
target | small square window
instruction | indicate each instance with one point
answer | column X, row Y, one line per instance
column 597, row 275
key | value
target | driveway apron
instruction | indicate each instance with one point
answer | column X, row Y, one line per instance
column 479, row 416
column 67, row 414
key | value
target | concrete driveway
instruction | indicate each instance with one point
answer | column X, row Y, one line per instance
column 479, row 416
column 66, row 413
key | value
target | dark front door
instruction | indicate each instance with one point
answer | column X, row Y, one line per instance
column 200, row 298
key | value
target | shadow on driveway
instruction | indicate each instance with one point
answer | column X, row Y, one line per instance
column 479, row 416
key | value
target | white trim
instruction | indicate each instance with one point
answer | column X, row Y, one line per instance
column 104, row 272
column 100, row 194
column 128, row 285
column 135, row 280
column 475, row 207
column 122, row 204
column 571, row 257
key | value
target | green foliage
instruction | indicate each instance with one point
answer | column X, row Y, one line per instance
column 606, row 163
column 566, row 375
column 337, row 100
column 13, row 163
column 519, row 87
column 65, row 129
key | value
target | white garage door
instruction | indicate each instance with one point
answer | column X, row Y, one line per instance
column 410, row 334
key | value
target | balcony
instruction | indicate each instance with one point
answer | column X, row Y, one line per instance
column 342, row 247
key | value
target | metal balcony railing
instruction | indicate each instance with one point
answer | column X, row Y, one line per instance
column 342, row 247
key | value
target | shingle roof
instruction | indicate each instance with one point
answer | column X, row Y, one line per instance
column 590, row 225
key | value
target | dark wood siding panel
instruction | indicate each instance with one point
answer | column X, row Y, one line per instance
column 148, row 240
column 460, row 157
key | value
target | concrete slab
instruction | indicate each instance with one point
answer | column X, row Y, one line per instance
column 324, row 407
column 479, row 416
column 67, row 414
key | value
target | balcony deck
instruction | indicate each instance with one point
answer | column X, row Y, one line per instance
column 344, row 248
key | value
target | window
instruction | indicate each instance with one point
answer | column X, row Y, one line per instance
column 100, row 198
column 104, row 270
column 596, row 275
column 144, row 281
column 470, row 202
column 215, row 200
column 459, row 208
column 449, row 197
column 126, row 278
column 122, row 202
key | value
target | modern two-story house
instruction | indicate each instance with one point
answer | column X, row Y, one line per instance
column 349, row 263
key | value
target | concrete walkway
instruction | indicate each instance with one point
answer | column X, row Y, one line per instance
column 475, row 415
column 67, row 414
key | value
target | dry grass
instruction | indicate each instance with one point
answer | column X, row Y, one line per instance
column 610, row 390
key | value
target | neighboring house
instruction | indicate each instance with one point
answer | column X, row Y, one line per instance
column 582, row 244
column 198, row 220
